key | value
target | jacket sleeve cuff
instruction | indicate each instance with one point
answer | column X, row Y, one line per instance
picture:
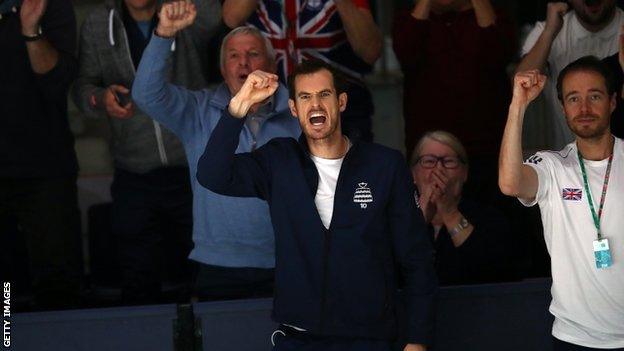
column 231, row 121
column 161, row 43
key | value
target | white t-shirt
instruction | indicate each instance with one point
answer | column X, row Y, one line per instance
column 328, row 170
column 587, row 302
column 572, row 43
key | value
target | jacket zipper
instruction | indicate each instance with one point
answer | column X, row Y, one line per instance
column 327, row 246
column 325, row 278
column 157, row 130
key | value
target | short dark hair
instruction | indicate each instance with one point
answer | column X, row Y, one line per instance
column 587, row 63
column 312, row 66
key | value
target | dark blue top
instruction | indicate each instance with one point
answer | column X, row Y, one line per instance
column 340, row 281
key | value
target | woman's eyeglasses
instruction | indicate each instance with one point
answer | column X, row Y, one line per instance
column 448, row 162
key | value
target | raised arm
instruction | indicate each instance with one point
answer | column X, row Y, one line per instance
column 537, row 57
column 43, row 56
column 484, row 12
column 236, row 12
column 52, row 55
column 410, row 33
column 219, row 169
column 514, row 177
column 362, row 31
column 173, row 106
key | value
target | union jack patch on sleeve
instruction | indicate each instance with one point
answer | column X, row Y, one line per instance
column 572, row 194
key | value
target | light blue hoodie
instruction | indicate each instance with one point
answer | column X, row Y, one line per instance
column 227, row 231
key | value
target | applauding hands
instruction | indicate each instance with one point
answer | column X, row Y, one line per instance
column 440, row 195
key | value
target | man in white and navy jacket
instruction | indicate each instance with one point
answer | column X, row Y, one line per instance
column 343, row 214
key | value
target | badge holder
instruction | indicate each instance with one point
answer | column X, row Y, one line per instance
column 602, row 254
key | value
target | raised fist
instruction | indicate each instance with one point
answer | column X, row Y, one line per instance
column 175, row 16
column 554, row 16
column 527, row 86
column 258, row 87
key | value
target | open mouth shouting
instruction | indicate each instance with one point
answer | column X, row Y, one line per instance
column 243, row 77
column 317, row 118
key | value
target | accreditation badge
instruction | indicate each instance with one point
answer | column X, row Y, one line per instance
column 602, row 254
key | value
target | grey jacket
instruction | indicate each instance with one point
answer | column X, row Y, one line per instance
column 139, row 143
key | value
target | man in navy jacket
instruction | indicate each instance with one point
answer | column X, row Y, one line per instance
column 343, row 214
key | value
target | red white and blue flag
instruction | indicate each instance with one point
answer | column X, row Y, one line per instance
column 305, row 29
column 572, row 194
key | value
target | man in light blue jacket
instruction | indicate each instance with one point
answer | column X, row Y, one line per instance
column 233, row 236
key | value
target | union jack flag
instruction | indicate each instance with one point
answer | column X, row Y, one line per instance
column 304, row 29
column 572, row 194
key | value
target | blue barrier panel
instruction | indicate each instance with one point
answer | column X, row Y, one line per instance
column 103, row 329
column 236, row 325
column 510, row 317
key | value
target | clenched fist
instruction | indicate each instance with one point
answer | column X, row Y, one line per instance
column 527, row 86
column 258, row 87
column 554, row 16
column 175, row 16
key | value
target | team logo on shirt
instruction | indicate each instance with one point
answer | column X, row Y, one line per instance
column 363, row 195
column 572, row 194
column 534, row 159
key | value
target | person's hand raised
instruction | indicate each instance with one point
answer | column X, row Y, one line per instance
column 30, row 16
column 258, row 87
column 527, row 86
column 175, row 16
column 554, row 16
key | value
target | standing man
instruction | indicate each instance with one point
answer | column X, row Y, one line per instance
column 340, row 32
column 151, row 190
column 344, row 217
column 39, row 167
column 233, row 237
column 590, row 28
column 581, row 209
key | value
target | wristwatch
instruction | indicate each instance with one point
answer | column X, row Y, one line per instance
column 463, row 224
column 35, row 37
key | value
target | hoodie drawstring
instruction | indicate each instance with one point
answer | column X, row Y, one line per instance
column 111, row 39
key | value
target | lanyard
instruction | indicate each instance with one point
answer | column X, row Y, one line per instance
column 605, row 184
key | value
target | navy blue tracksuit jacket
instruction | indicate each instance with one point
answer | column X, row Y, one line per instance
column 340, row 281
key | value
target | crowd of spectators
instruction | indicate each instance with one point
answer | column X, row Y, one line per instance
column 456, row 57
